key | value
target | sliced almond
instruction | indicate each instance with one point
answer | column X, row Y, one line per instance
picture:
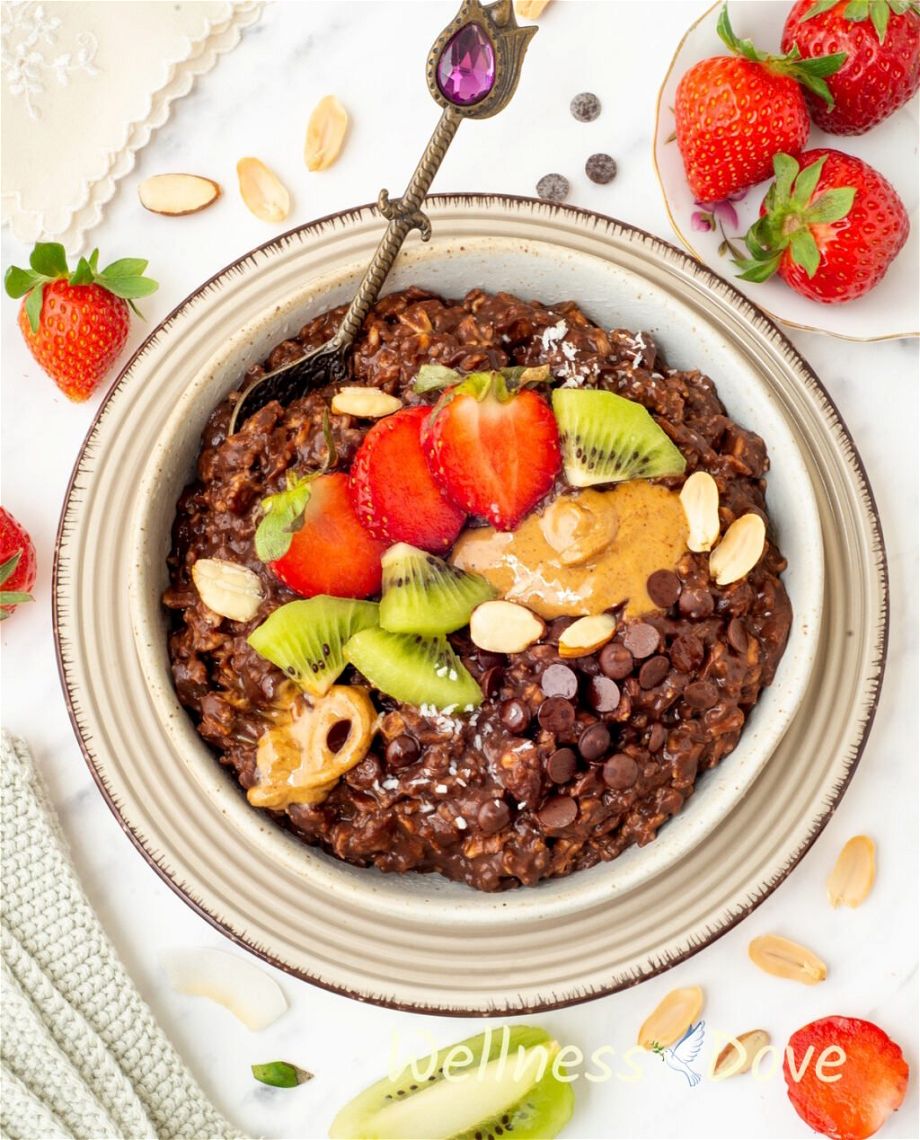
column 177, row 194
column 699, row 497
column 325, row 133
column 672, row 1017
column 739, row 551
column 785, row 959
column 228, row 589
column 504, row 627
column 853, row 875
column 365, row 403
column 263, row 191
column 739, row 1054
column 232, row 981
column 586, row 635
column 529, row 9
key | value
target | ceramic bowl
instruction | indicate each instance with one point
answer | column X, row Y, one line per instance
column 421, row 941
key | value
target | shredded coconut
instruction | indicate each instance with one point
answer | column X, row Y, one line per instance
column 461, row 823
column 390, row 783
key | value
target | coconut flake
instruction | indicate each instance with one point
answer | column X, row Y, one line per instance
column 230, row 980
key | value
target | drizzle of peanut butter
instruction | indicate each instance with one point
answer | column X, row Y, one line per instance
column 587, row 551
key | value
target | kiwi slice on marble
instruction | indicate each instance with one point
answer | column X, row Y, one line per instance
column 608, row 439
column 424, row 594
column 306, row 639
column 503, row 1083
column 414, row 669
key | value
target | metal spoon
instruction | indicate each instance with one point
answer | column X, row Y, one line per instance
column 473, row 70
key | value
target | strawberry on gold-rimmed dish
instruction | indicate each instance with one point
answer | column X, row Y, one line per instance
column 408, row 940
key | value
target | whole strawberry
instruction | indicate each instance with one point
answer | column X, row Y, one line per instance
column 17, row 564
column 76, row 323
column 733, row 113
column 881, row 39
column 830, row 227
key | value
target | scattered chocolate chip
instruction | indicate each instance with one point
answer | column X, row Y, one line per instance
column 402, row 751
column 663, row 588
column 560, row 767
column 641, row 639
column 656, row 737
column 701, row 695
column 493, row 816
column 737, row 635
column 687, row 652
column 559, row 681
column 620, row 772
column 515, row 716
column 491, row 682
column 603, row 694
column 594, row 741
column 553, row 188
column 654, row 671
column 616, row 661
column 585, row 107
column 558, row 812
column 696, row 603
column 556, row 715
column 601, row 168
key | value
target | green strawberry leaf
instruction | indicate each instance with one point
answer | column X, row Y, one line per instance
column 8, row 569
column 434, row 377
column 738, row 47
column 807, row 182
column 786, row 169
column 879, row 13
column 856, row 10
column 805, row 250
column 125, row 267
column 14, row 598
column 33, row 305
column 282, row 519
column 49, row 259
column 18, row 282
column 83, row 274
column 128, row 287
column 832, row 205
column 758, row 271
column 818, row 8
column 280, row 1074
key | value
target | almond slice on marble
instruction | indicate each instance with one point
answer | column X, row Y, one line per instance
column 529, row 9
column 365, row 403
column 739, row 1054
column 853, row 875
column 262, row 190
column 699, row 497
column 739, row 551
column 233, row 982
column 504, row 627
column 586, row 635
column 227, row 589
column 786, row 959
column 672, row 1017
column 325, row 133
column 175, row 195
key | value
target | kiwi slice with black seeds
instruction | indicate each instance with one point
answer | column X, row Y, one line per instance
column 505, row 1083
column 306, row 639
column 424, row 594
column 414, row 669
column 608, row 439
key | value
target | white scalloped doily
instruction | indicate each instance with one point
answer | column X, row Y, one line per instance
column 78, row 105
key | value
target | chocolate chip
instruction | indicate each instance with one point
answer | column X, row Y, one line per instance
column 737, row 635
column 493, row 816
column 558, row 812
column 402, row 751
column 553, row 188
column 491, row 681
column 601, row 168
column 616, row 661
column 701, row 695
column 594, row 741
column 620, row 772
column 663, row 588
column 603, row 694
column 654, row 671
column 641, row 639
column 585, row 107
column 556, row 715
column 559, row 681
column 515, row 716
column 656, row 737
column 696, row 603
column 560, row 767
column 687, row 652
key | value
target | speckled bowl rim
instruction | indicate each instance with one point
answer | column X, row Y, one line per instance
column 856, row 743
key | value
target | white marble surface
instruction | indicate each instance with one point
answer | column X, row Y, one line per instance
column 257, row 101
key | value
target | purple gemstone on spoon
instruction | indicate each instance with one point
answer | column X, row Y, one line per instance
column 466, row 69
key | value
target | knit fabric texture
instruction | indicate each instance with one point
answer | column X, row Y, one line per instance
column 82, row 1056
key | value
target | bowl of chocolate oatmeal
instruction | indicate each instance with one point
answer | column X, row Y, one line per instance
column 506, row 633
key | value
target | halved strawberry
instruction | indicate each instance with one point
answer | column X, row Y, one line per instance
column 394, row 494
column 872, row 1079
column 494, row 450
column 312, row 540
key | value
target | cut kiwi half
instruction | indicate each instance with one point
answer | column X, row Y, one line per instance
column 424, row 594
column 414, row 669
column 306, row 639
column 608, row 439
column 506, row 1082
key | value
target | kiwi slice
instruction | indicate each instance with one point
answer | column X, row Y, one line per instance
column 503, row 1083
column 305, row 639
column 424, row 594
column 608, row 439
column 414, row 669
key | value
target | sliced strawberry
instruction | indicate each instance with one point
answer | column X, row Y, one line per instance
column 329, row 551
column 872, row 1079
column 495, row 452
column 394, row 494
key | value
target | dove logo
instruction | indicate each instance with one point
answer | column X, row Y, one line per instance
column 682, row 1055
